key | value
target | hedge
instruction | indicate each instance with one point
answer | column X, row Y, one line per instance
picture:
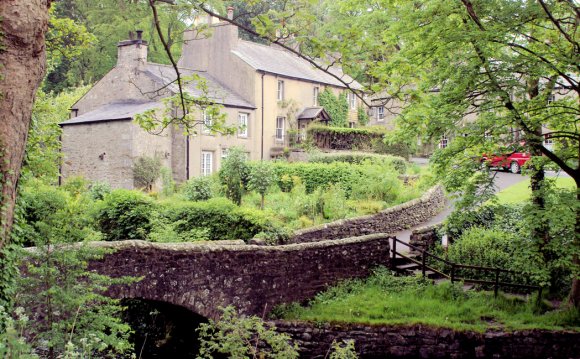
column 361, row 139
column 222, row 218
column 398, row 163
column 316, row 175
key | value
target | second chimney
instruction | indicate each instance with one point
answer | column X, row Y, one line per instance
column 132, row 53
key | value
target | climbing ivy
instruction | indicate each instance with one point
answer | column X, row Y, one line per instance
column 337, row 107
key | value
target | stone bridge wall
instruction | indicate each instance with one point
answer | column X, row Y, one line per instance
column 203, row 277
column 419, row 341
column 391, row 220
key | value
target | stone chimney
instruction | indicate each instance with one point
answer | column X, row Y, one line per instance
column 230, row 12
column 132, row 53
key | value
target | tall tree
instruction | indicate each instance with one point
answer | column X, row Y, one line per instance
column 23, row 26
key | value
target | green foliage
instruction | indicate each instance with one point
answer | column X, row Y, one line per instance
column 379, row 183
column 221, row 218
column 43, row 154
column 241, row 337
column 98, row 190
column 146, row 170
column 398, row 163
column 261, row 177
column 167, row 182
column 384, row 299
column 124, row 214
column 362, row 116
column 234, row 173
column 371, row 139
column 317, row 175
column 344, row 350
column 12, row 342
column 335, row 106
column 334, row 203
column 198, row 188
column 67, row 305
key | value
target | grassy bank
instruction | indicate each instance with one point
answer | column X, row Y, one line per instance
column 520, row 192
column 386, row 299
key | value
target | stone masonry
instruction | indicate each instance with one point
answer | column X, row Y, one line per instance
column 391, row 220
column 419, row 341
column 204, row 277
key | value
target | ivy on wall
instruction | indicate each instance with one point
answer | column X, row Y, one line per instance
column 335, row 106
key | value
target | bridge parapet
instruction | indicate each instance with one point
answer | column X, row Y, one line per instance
column 204, row 277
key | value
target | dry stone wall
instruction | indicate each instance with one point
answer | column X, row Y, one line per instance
column 204, row 277
column 416, row 341
column 390, row 220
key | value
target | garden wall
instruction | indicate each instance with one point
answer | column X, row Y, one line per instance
column 204, row 277
column 426, row 237
column 424, row 342
column 391, row 220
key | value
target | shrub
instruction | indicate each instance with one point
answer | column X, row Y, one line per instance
column 76, row 185
column 198, row 189
column 222, row 219
column 167, row 182
column 261, row 177
column 124, row 214
column 98, row 190
column 370, row 139
column 335, row 106
column 317, row 175
column 334, row 203
column 362, row 116
column 378, row 183
column 146, row 170
column 234, row 174
column 398, row 163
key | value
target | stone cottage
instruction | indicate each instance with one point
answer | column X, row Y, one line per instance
column 265, row 92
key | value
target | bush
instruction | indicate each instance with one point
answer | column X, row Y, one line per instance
column 124, row 214
column 379, row 183
column 146, row 170
column 198, row 189
column 398, row 163
column 222, row 219
column 98, row 190
column 234, row 174
column 316, row 175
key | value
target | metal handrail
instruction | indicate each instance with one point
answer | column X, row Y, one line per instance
column 425, row 254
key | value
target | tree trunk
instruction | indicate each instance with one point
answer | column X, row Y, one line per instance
column 23, row 24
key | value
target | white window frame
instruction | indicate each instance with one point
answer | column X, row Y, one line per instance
column 207, row 123
column 280, row 93
column 352, row 100
column 206, row 163
column 315, row 93
column 280, row 124
column 551, row 98
column 444, row 141
column 225, row 153
column 380, row 113
column 243, row 124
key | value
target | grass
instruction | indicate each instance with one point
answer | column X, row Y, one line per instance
column 520, row 192
column 384, row 299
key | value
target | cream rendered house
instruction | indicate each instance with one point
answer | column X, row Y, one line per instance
column 265, row 92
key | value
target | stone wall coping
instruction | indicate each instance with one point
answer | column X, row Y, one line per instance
column 401, row 327
column 424, row 198
column 427, row 228
column 211, row 246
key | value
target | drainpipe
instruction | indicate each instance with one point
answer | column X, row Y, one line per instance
column 187, row 157
column 262, row 144
column 60, row 161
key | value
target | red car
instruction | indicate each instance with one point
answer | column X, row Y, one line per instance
column 510, row 161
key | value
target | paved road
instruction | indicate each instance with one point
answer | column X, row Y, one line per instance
column 502, row 180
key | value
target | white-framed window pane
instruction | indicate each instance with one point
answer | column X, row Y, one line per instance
column 206, row 163
column 315, row 94
column 443, row 142
column 207, row 123
column 352, row 100
column 280, row 90
column 279, row 128
column 380, row 113
column 243, row 124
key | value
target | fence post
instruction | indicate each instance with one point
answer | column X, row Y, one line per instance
column 452, row 272
column 423, row 262
column 393, row 265
column 496, row 285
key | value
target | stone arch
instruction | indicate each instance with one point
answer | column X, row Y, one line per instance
column 162, row 329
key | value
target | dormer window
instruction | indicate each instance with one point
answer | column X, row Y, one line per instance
column 280, row 90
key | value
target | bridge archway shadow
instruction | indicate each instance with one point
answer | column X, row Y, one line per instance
column 162, row 330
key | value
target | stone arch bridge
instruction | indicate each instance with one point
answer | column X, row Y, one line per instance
column 205, row 277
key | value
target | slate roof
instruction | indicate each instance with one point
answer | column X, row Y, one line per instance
column 281, row 62
column 113, row 111
column 217, row 91
column 310, row 112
